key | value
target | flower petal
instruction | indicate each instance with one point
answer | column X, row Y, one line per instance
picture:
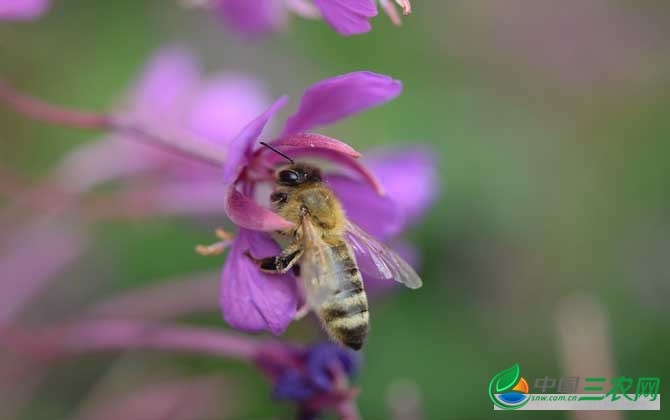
column 252, row 17
column 321, row 359
column 224, row 104
column 376, row 214
column 165, row 83
column 89, row 165
column 340, row 97
column 313, row 140
column 246, row 213
column 408, row 176
column 293, row 385
column 241, row 147
column 188, row 198
column 250, row 299
column 348, row 17
column 22, row 9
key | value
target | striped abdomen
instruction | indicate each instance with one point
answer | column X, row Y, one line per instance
column 345, row 312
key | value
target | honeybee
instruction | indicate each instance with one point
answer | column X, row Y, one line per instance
column 321, row 253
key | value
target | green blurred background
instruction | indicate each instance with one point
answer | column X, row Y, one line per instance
column 550, row 120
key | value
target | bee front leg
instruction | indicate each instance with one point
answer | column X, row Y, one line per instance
column 279, row 264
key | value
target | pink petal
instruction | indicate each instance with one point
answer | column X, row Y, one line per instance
column 348, row 17
column 340, row 97
column 22, row 9
column 243, row 144
column 165, row 84
column 246, row 213
column 90, row 164
column 377, row 215
column 198, row 197
column 250, row 299
column 409, row 177
column 313, row 140
column 252, row 17
column 224, row 104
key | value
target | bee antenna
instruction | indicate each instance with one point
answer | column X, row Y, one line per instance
column 278, row 152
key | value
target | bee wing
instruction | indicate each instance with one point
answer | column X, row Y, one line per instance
column 388, row 264
column 320, row 271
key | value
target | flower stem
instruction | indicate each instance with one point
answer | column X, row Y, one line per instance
column 40, row 110
column 108, row 335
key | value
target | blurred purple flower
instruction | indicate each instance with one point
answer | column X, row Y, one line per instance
column 252, row 17
column 171, row 97
column 22, row 9
column 316, row 378
column 409, row 175
column 252, row 300
column 347, row 17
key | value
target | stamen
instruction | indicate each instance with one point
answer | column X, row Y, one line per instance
column 406, row 6
column 224, row 235
column 392, row 13
column 216, row 248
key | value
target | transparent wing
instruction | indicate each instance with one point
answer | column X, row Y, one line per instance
column 386, row 263
column 320, row 269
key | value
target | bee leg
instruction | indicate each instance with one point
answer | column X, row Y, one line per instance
column 296, row 270
column 216, row 248
column 301, row 312
column 279, row 264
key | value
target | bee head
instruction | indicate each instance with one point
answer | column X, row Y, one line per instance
column 294, row 174
column 297, row 174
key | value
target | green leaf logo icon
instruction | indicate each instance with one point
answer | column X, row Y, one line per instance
column 503, row 382
column 506, row 379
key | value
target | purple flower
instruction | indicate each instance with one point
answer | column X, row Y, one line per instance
column 172, row 98
column 316, row 378
column 347, row 17
column 22, row 9
column 252, row 300
column 252, row 17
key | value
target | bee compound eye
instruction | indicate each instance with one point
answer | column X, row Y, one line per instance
column 289, row 177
